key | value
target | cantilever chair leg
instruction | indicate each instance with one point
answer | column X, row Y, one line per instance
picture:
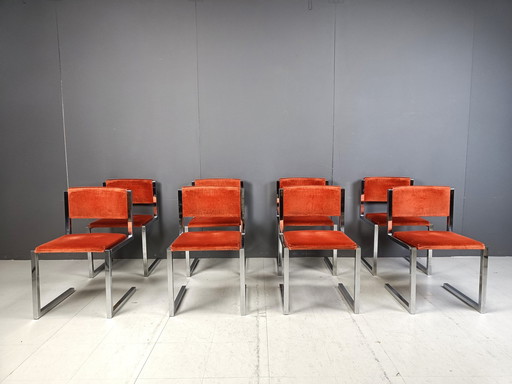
column 285, row 290
column 113, row 308
column 353, row 302
column 38, row 312
column 148, row 270
column 425, row 268
column 173, row 304
column 411, row 304
column 93, row 271
column 189, row 268
column 482, row 288
column 243, row 287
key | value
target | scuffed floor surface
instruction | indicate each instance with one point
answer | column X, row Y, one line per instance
column 208, row 342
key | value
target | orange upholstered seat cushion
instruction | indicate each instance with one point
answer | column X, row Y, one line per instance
column 138, row 221
column 82, row 242
column 214, row 222
column 208, row 241
column 437, row 240
column 313, row 239
column 307, row 221
column 381, row 219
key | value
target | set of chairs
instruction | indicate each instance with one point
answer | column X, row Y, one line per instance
column 309, row 217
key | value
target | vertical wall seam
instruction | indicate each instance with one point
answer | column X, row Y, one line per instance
column 333, row 96
column 63, row 115
column 197, row 90
column 469, row 117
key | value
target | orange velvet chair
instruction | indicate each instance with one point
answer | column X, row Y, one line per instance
column 299, row 221
column 87, row 203
column 316, row 201
column 374, row 192
column 200, row 222
column 144, row 193
column 194, row 201
column 431, row 201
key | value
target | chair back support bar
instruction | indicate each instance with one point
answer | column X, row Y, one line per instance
column 420, row 201
column 311, row 201
column 210, row 202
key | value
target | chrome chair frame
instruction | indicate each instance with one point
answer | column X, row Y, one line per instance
column 111, row 308
column 410, row 304
column 372, row 266
column 353, row 301
column 148, row 269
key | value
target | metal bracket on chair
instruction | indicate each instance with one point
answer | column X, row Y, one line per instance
column 333, row 266
column 409, row 305
column 426, row 269
column 353, row 302
column 482, row 289
column 38, row 312
column 93, row 271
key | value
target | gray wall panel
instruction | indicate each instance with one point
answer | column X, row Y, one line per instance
column 403, row 73
column 489, row 180
column 31, row 146
column 265, row 93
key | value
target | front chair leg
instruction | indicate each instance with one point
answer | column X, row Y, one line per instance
column 92, row 271
column 409, row 305
column 243, row 287
column 113, row 308
column 482, row 288
column 173, row 304
column 285, row 289
column 353, row 302
column 38, row 312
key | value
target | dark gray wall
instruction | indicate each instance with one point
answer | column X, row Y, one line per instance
column 176, row 90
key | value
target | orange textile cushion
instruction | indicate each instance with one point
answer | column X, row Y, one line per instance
column 214, row 222
column 307, row 221
column 296, row 181
column 211, row 201
column 437, row 240
column 381, row 219
column 217, row 182
column 138, row 221
column 303, row 240
column 208, row 241
column 82, row 242
column 376, row 188
column 96, row 202
column 421, row 201
column 142, row 189
column 312, row 201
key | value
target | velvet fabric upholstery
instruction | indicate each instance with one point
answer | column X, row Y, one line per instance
column 142, row 189
column 307, row 221
column 83, row 242
column 438, row 240
column 208, row 241
column 317, row 240
column 97, row 202
column 198, row 222
column 211, row 202
column 311, row 201
column 138, row 221
column 217, row 182
column 421, row 201
column 376, row 188
column 296, row 181
column 381, row 219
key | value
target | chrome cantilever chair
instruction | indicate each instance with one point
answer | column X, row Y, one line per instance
column 144, row 193
column 298, row 221
column 431, row 201
column 312, row 201
column 207, row 202
column 87, row 203
column 199, row 222
column 374, row 192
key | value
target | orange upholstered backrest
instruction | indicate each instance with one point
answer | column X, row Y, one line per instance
column 98, row 202
column 210, row 201
column 217, row 182
column 376, row 188
column 421, row 201
column 142, row 189
column 311, row 200
column 296, row 181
